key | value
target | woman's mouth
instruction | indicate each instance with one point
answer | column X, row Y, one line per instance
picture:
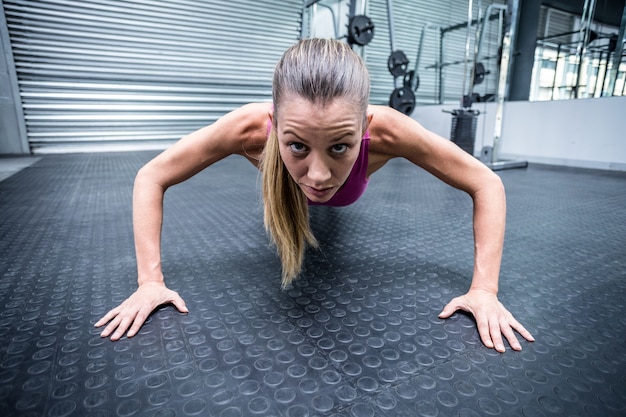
column 318, row 192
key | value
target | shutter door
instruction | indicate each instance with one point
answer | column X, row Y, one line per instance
column 137, row 74
column 410, row 17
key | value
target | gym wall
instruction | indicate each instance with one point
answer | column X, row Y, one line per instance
column 123, row 74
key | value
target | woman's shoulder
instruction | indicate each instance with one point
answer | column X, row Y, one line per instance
column 389, row 129
column 394, row 134
column 256, row 109
column 387, row 121
column 246, row 125
column 251, row 118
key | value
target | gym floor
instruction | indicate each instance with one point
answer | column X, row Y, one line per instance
column 356, row 335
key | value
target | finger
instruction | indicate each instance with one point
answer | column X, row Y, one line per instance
column 522, row 330
column 508, row 333
column 121, row 329
column 107, row 317
column 111, row 327
column 450, row 308
column 484, row 331
column 139, row 320
column 496, row 335
column 179, row 303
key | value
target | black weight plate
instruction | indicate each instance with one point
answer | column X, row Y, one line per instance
column 360, row 30
column 397, row 63
column 479, row 73
column 403, row 100
column 411, row 80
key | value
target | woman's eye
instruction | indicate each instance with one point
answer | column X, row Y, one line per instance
column 339, row 148
column 297, row 147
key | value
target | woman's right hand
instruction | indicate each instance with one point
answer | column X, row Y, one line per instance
column 133, row 312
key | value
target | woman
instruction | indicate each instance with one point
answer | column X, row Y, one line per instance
column 317, row 143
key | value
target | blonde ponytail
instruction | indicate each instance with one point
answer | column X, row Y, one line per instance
column 285, row 211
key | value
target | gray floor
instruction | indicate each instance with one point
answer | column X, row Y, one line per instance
column 10, row 165
column 357, row 335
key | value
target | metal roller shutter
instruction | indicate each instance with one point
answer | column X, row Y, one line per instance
column 128, row 74
column 410, row 16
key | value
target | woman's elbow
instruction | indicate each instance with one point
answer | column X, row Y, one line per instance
column 147, row 177
column 489, row 185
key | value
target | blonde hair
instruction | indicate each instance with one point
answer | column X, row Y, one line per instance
column 318, row 70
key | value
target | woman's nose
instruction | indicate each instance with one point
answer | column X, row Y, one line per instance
column 319, row 171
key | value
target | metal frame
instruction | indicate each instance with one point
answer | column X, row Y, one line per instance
column 392, row 43
column 489, row 154
column 484, row 20
column 583, row 39
column 420, row 47
column 617, row 55
column 470, row 15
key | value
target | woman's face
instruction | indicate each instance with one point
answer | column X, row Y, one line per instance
column 319, row 144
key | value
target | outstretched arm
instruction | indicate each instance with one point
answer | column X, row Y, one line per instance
column 492, row 318
column 239, row 132
column 398, row 135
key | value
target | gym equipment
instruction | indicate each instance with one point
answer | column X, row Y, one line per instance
column 463, row 130
column 412, row 80
column 617, row 55
column 397, row 63
column 439, row 66
column 489, row 154
column 306, row 5
column 584, row 33
column 464, row 120
column 478, row 70
column 479, row 73
column 606, row 50
column 360, row 30
column 401, row 98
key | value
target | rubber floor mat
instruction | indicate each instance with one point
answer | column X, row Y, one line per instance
column 356, row 335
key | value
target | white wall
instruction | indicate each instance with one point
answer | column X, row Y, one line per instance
column 589, row 133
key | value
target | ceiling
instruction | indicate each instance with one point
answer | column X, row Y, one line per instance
column 607, row 11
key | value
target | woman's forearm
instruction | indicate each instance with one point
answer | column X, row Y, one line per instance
column 147, row 223
column 489, row 225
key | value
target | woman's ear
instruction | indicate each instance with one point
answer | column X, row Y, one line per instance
column 270, row 114
column 368, row 121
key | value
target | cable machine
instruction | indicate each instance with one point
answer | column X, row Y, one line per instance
column 464, row 119
column 359, row 30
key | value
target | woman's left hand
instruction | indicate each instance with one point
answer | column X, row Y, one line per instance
column 492, row 319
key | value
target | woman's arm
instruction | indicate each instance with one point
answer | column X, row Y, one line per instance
column 239, row 132
column 396, row 135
